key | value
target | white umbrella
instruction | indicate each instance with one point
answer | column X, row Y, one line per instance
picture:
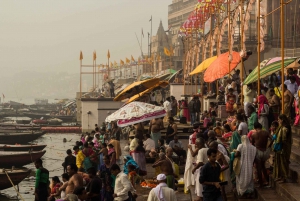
column 136, row 112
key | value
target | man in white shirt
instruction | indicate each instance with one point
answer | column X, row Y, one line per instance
column 149, row 144
column 168, row 108
column 201, row 160
column 243, row 127
column 162, row 191
column 291, row 84
column 122, row 184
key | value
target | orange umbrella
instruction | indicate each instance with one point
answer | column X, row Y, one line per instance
column 220, row 67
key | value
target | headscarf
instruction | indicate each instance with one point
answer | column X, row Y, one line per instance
column 129, row 161
column 262, row 100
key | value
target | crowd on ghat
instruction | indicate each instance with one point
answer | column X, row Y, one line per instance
column 221, row 156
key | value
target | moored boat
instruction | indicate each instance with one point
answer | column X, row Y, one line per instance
column 39, row 121
column 19, row 138
column 18, row 159
column 16, row 175
column 27, row 147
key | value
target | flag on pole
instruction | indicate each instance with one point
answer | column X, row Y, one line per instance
column 166, row 51
column 171, row 51
column 115, row 64
column 127, row 60
column 132, row 59
column 158, row 58
column 121, row 62
column 152, row 58
column 81, row 56
column 94, row 55
column 3, row 96
column 111, row 64
column 150, row 19
column 108, row 54
column 142, row 33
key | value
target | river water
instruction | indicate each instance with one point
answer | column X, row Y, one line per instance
column 52, row 160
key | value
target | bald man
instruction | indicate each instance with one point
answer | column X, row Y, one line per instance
column 167, row 167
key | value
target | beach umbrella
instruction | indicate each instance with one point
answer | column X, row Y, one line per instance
column 161, row 84
column 204, row 65
column 135, row 88
column 136, row 112
column 220, row 67
column 267, row 67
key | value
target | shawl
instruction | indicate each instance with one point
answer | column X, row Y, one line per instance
column 262, row 100
column 158, row 191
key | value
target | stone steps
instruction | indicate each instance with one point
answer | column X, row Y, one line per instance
column 295, row 155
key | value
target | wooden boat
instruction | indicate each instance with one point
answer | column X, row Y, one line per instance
column 27, row 147
column 16, row 175
column 19, row 159
column 39, row 121
column 20, row 138
column 65, row 118
column 19, row 126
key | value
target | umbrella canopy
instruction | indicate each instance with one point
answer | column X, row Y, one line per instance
column 266, row 69
column 295, row 64
column 136, row 112
column 204, row 65
column 135, row 88
column 220, row 67
column 161, row 84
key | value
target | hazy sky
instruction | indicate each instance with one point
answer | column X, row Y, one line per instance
column 42, row 35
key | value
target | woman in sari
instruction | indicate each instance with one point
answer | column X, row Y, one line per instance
column 89, row 154
column 128, row 160
column 230, row 101
column 184, row 109
column 263, row 112
column 111, row 154
column 139, row 157
column 282, row 148
column 107, row 180
column 244, row 177
column 96, row 141
column 103, row 152
column 296, row 104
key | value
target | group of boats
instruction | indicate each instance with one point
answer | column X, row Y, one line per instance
column 16, row 151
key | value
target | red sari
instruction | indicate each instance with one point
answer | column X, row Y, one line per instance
column 185, row 110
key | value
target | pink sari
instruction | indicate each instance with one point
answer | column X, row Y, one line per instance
column 297, row 119
column 185, row 110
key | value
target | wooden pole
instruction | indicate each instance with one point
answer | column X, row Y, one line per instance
column 229, row 34
column 242, row 47
column 282, row 52
column 258, row 47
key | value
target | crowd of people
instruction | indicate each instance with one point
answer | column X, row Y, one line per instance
column 221, row 156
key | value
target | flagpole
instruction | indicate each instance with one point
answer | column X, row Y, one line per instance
column 80, row 85
column 242, row 47
column 151, row 37
column 229, row 35
column 93, row 69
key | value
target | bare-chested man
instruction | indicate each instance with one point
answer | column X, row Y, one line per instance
column 274, row 103
column 167, row 167
column 75, row 179
column 260, row 141
column 288, row 98
column 156, row 125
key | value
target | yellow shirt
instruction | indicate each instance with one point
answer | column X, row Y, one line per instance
column 277, row 91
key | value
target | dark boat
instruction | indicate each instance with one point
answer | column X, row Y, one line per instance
column 27, row 147
column 65, row 118
column 19, row 126
column 19, row 138
column 16, row 175
column 19, row 159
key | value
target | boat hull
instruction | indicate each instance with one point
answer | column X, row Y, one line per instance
column 19, row 138
column 16, row 176
column 19, row 159
column 33, row 147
